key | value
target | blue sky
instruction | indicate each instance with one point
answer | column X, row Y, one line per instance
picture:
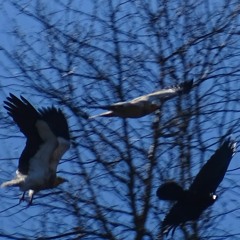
column 18, row 218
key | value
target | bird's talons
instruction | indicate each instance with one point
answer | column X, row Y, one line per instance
column 22, row 198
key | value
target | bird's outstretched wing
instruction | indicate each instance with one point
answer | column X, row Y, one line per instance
column 25, row 116
column 56, row 121
column 167, row 93
column 212, row 173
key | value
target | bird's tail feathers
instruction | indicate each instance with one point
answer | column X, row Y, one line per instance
column 104, row 114
column 166, row 229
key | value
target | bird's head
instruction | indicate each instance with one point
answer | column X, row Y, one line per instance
column 170, row 191
column 58, row 181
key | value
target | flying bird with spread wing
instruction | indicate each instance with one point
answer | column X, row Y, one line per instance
column 48, row 138
column 144, row 105
column 202, row 193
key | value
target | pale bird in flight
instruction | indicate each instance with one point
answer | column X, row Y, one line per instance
column 144, row 105
column 47, row 134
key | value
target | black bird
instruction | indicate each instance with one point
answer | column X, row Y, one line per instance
column 144, row 105
column 48, row 139
column 201, row 194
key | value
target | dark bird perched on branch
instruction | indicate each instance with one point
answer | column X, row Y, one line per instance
column 201, row 194
column 144, row 105
column 48, row 139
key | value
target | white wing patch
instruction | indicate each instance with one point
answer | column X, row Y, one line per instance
column 62, row 147
column 38, row 172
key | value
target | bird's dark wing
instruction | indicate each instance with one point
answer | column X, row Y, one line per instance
column 56, row 121
column 25, row 116
column 212, row 173
column 170, row 191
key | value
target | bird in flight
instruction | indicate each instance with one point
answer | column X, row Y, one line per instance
column 202, row 193
column 144, row 105
column 47, row 134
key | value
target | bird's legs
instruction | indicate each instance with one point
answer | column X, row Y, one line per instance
column 30, row 194
column 22, row 198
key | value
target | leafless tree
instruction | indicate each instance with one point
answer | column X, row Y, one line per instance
column 78, row 54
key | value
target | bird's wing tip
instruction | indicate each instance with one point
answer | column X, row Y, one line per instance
column 232, row 144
